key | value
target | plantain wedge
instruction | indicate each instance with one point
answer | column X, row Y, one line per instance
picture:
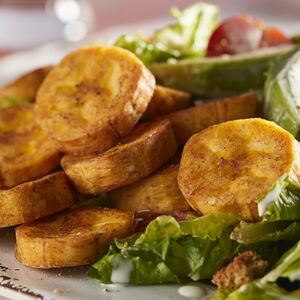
column 166, row 100
column 228, row 167
column 143, row 151
column 189, row 121
column 93, row 97
column 73, row 238
column 35, row 199
column 25, row 151
column 24, row 88
column 158, row 192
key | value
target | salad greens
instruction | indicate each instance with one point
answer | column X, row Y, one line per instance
column 188, row 37
column 171, row 251
column 147, row 51
column 282, row 202
column 280, row 212
column 248, row 233
column 174, row 252
column 191, row 33
column 282, row 93
column 257, row 291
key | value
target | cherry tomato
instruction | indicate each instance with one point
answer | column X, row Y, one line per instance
column 274, row 37
column 238, row 34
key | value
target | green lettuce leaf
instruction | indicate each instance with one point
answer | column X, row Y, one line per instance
column 288, row 266
column 148, row 52
column 210, row 227
column 170, row 251
column 282, row 202
column 248, row 233
column 133, row 270
column 258, row 291
column 191, row 33
column 174, row 251
column 188, row 37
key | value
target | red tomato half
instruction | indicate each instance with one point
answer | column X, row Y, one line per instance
column 236, row 35
column 241, row 34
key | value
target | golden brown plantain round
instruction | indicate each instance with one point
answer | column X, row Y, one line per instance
column 166, row 100
column 26, row 153
column 35, row 199
column 147, row 148
column 158, row 192
column 93, row 97
column 189, row 121
column 26, row 86
column 228, row 167
column 72, row 238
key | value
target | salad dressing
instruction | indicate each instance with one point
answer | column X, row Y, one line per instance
column 191, row 291
column 121, row 271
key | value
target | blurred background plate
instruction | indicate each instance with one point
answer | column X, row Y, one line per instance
column 67, row 24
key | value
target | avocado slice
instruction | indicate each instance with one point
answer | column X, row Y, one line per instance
column 282, row 94
column 220, row 76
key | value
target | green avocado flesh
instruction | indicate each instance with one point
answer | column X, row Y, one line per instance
column 220, row 76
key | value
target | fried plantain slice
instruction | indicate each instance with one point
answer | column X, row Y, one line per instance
column 25, row 151
column 166, row 100
column 189, row 121
column 147, row 148
column 228, row 167
column 73, row 238
column 35, row 199
column 24, row 88
column 158, row 192
column 93, row 97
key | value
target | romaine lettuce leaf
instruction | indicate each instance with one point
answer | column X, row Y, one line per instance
column 148, row 52
column 191, row 33
column 288, row 266
column 132, row 270
column 171, row 251
column 178, row 259
column 280, row 212
column 210, row 227
column 248, row 233
column 282, row 202
column 257, row 291
column 188, row 37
